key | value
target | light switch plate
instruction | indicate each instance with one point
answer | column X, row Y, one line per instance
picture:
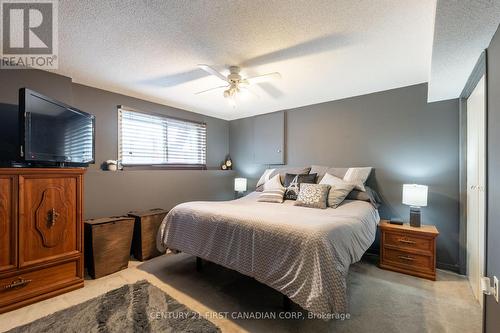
column 495, row 287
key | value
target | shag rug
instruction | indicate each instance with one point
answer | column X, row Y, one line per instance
column 138, row 307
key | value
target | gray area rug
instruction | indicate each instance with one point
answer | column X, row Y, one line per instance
column 138, row 307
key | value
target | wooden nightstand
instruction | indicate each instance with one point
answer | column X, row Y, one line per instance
column 408, row 250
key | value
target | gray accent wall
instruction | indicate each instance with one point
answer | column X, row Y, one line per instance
column 114, row 193
column 397, row 132
column 405, row 139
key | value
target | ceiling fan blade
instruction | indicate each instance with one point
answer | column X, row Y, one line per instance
column 207, row 90
column 212, row 71
column 250, row 90
column 263, row 78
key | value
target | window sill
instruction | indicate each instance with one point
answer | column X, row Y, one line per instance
column 163, row 167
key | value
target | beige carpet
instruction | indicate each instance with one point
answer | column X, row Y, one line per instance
column 380, row 301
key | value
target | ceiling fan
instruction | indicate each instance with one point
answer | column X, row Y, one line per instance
column 234, row 81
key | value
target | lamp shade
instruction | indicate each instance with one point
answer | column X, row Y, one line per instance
column 415, row 195
column 240, row 184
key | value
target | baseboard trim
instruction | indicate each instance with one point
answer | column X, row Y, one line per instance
column 449, row 267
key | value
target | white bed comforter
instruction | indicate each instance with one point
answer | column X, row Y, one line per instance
column 304, row 253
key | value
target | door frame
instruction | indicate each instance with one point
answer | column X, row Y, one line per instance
column 477, row 73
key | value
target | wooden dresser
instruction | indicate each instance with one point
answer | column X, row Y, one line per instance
column 408, row 250
column 41, row 234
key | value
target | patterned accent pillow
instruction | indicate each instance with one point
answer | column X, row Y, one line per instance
column 339, row 189
column 313, row 195
column 273, row 191
column 293, row 181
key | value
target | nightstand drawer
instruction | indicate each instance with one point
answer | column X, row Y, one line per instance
column 405, row 241
column 408, row 260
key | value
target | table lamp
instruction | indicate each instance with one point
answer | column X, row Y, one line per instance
column 415, row 196
column 240, row 185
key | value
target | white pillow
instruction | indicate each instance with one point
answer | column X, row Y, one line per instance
column 273, row 191
column 339, row 189
column 265, row 177
column 358, row 177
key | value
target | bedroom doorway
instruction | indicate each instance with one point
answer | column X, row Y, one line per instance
column 476, row 187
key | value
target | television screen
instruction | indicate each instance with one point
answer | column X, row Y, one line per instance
column 55, row 132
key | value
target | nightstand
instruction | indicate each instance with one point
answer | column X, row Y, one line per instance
column 409, row 250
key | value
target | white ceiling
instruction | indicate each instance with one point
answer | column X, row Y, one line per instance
column 463, row 29
column 324, row 49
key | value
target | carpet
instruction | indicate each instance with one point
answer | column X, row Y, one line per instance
column 138, row 307
column 383, row 301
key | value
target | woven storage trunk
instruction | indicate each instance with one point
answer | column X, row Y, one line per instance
column 146, row 228
column 107, row 244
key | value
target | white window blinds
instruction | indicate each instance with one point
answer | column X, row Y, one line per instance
column 150, row 139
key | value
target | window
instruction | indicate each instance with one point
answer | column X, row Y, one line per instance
column 150, row 139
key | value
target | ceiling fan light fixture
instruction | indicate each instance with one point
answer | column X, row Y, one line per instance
column 234, row 80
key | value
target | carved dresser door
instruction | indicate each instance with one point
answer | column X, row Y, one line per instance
column 8, row 223
column 49, row 227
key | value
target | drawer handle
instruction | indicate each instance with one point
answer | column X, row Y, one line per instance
column 53, row 215
column 19, row 283
column 407, row 241
column 408, row 258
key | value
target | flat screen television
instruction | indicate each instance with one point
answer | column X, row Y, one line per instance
column 52, row 132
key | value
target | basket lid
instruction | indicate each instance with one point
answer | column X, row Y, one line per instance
column 142, row 213
column 107, row 220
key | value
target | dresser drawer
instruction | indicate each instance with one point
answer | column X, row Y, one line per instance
column 405, row 241
column 408, row 260
column 31, row 284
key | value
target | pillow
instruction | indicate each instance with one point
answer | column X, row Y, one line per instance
column 273, row 191
column 313, row 195
column 265, row 177
column 358, row 177
column 339, row 189
column 293, row 181
column 283, row 171
column 370, row 196
column 323, row 170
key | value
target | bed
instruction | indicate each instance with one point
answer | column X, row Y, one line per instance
column 304, row 253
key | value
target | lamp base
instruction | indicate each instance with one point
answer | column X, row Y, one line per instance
column 415, row 217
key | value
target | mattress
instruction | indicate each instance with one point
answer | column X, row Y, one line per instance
column 304, row 253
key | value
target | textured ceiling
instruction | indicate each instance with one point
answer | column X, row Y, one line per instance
column 324, row 49
column 463, row 29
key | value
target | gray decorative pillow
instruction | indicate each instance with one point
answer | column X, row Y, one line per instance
column 370, row 196
column 292, row 184
column 283, row 171
column 338, row 191
column 323, row 170
column 273, row 191
column 313, row 195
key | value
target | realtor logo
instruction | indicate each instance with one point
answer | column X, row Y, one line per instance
column 29, row 34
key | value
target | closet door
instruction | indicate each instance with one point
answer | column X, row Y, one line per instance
column 476, row 140
column 269, row 138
